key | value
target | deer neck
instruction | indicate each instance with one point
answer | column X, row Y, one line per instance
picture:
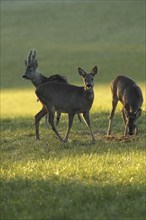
column 89, row 94
column 39, row 79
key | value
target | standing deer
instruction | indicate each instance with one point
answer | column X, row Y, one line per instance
column 68, row 99
column 32, row 73
column 129, row 94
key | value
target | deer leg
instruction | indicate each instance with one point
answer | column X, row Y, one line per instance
column 79, row 117
column 71, row 117
column 126, row 129
column 58, row 117
column 87, row 119
column 51, row 118
column 47, row 120
column 114, row 104
column 125, row 121
column 38, row 117
column 136, row 129
column 123, row 115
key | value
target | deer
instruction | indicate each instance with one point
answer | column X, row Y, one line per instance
column 125, row 90
column 32, row 73
column 68, row 99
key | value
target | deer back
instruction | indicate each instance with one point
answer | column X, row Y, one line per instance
column 64, row 97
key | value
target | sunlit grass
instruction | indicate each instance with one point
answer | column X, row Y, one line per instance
column 49, row 179
column 23, row 102
column 128, row 169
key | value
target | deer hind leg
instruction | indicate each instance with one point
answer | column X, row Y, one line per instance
column 70, row 122
column 38, row 117
column 47, row 120
column 79, row 117
column 58, row 117
column 51, row 119
column 87, row 119
column 114, row 104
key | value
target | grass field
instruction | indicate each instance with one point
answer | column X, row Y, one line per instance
column 79, row 180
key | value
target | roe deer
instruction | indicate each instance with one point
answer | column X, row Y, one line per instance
column 68, row 99
column 32, row 73
column 129, row 94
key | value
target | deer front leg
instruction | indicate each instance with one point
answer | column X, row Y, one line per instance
column 136, row 129
column 87, row 119
column 123, row 115
column 70, row 118
column 114, row 104
column 126, row 129
column 126, row 123
column 38, row 117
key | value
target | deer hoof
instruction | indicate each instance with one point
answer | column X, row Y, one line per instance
column 108, row 133
column 65, row 141
column 93, row 141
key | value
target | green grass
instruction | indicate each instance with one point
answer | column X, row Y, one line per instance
column 77, row 180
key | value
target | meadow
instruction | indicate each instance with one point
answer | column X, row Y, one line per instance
column 78, row 180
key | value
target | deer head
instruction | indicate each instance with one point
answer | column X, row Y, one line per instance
column 88, row 77
column 131, row 119
column 31, row 65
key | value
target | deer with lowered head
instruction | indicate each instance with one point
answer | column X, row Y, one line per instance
column 69, row 99
column 129, row 94
column 32, row 73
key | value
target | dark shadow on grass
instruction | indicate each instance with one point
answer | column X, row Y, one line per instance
column 70, row 199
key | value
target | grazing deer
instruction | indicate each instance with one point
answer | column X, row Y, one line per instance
column 129, row 94
column 32, row 73
column 68, row 99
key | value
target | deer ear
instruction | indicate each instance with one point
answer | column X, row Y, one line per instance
column 81, row 72
column 94, row 71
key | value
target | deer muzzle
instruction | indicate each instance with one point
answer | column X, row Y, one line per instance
column 131, row 128
column 89, row 86
column 25, row 77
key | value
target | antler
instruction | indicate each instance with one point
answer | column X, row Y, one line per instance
column 34, row 54
column 29, row 56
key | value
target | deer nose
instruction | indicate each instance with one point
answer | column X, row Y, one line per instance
column 25, row 77
column 89, row 86
column 131, row 133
